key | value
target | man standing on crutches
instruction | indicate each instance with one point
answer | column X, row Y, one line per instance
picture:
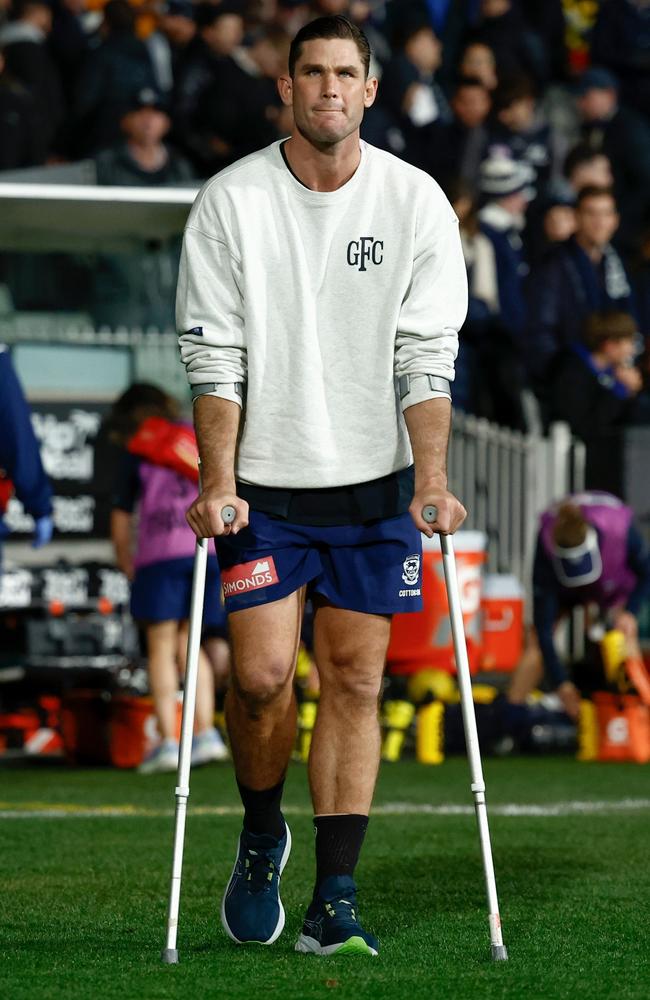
column 321, row 291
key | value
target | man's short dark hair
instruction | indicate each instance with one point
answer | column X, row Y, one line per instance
column 461, row 82
column 594, row 191
column 334, row 26
column 579, row 155
column 608, row 325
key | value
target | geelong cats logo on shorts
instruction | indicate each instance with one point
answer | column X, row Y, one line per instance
column 411, row 570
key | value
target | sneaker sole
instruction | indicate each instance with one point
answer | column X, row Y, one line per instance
column 279, row 927
column 165, row 766
column 353, row 946
column 213, row 757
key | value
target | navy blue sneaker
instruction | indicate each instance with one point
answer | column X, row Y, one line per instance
column 332, row 925
column 251, row 909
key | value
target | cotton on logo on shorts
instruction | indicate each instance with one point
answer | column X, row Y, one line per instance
column 410, row 576
column 249, row 576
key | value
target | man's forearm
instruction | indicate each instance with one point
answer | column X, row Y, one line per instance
column 216, row 422
column 428, row 425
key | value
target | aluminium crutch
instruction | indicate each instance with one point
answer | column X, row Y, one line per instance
column 170, row 952
column 499, row 952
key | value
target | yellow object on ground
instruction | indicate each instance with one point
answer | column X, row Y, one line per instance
column 429, row 739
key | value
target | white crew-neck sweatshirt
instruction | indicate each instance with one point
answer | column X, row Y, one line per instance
column 319, row 302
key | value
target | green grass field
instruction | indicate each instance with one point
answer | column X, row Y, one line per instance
column 86, row 854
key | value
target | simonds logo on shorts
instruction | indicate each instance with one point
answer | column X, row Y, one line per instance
column 249, row 576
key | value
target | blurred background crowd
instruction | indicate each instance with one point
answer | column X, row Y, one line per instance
column 533, row 115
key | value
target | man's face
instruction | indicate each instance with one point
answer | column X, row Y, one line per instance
column 597, row 104
column 596, row 172
column 225, row 34
column 424, row 50
column 559, row 223
column 179, row 29
column 478, row 60
column 328, row 92
column 519, row 115
column 471, row 105
column 619, row 352
column 146, row 125
column 596, row 220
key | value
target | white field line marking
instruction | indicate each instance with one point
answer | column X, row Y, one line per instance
column 40, row 810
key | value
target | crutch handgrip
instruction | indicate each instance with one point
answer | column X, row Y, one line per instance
column 430, row 513
column 228, row 514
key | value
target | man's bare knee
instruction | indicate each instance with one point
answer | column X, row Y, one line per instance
column 259, row 686
column 350, row 676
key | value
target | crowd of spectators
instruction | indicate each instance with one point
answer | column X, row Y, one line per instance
column 533, row 115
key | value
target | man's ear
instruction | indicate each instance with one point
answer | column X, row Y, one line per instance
column 370, row 91
column 285, row 90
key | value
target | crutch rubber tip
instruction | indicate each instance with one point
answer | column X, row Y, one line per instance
column 170, row 956
column 430, row 513
column 228, row 514
column 499, row 953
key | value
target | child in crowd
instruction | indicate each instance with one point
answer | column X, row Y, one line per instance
column 158, row 559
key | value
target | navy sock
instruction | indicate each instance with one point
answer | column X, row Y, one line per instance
column 262, row 813
column 338, row 844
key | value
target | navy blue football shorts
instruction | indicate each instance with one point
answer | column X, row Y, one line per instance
column 162, row 591
column 374, row 568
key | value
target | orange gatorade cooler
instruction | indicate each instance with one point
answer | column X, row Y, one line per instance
column 623, row 727
column 424, row 639
column 133, row 730
column 502, row 606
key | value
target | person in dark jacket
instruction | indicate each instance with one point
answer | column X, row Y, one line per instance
column 623, row 135
column 20, row 458
column 23, row 42
column 114, row 72
column 207, row 58
column 140, row 291
column 516, row 47
column 594, row 385
column 583, row 275
column 621, row 42
column 458, row 148
column 248, row 123
column 22, row 143
column 410, row 91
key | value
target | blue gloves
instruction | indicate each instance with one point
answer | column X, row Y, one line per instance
column 43, row 528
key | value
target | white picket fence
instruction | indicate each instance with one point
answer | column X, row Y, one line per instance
column 506, row 479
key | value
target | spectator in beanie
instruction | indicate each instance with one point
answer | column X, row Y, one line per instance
column 505, row 187
column 623, row 136
column 23, row 42
column 118, row 69
column 583, row 275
